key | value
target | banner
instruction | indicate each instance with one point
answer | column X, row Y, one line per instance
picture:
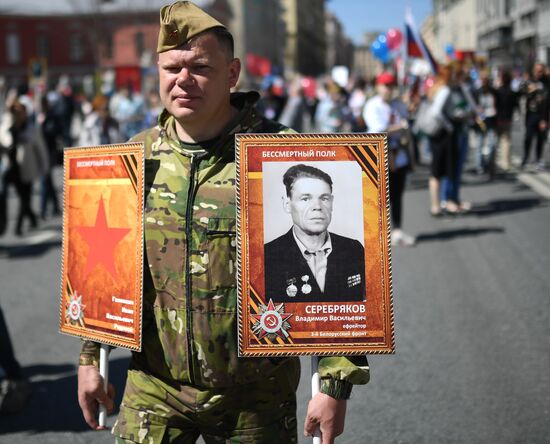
column 314, row 269
column 102, row 262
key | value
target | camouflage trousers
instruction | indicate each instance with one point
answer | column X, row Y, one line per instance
column 262, row 412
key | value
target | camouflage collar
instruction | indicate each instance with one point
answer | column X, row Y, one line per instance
column 224, row 148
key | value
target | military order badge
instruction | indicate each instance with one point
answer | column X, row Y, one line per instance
column 314, row 268
column 101, row 290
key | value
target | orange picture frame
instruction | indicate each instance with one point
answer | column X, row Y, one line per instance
column 102, row 255
column 282, row 309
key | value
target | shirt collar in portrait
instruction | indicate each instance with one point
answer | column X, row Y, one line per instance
column 326, row 247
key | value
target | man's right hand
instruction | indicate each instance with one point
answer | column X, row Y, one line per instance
column 91, row 394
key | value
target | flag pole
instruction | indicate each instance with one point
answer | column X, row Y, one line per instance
column 315, row 387
column 104, row 372
column 405, row 51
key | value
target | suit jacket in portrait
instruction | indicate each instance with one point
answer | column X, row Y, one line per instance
column 286, row 272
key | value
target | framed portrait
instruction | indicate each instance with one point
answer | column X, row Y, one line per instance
column 102, row 255
column 313, row 252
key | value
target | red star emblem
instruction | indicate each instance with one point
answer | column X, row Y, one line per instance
column 102, row 241
column 271, row 321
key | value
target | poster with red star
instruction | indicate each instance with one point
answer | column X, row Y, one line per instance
column 313, row 250
column 102, row 262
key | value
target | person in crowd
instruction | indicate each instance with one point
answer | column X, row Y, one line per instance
column 295, row 113
column 24, row 97
column 310, row 95
column 486, row 127
column 517, row 82
column 273, row 99
column 51, row 130
column 330, row 113
column 537, row 111
column 15, row 388
column 65, row 108
column 3, row 160
column 98, row 127
column 386, row 113
column 127, row 108
column 27, row 157
column 189, row 381
column 449, row 106
column 412, row 98
column 3, row 193
column 3, row 92
column 356, row 103
column 460, row 110
column 154, row 108
column 506, row 104
column 441, row 143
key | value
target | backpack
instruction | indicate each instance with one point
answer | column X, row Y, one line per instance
column 429, row 116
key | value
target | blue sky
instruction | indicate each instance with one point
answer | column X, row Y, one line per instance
column 360, row 16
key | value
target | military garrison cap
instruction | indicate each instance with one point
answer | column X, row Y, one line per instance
column 181, row 21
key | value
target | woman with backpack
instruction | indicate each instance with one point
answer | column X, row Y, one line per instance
column 386, row 113
column 441, row 118
column 432, row 121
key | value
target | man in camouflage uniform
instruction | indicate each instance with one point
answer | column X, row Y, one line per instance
column 188, row 380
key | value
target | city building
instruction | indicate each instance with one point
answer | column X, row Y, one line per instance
column 256, row 25
column 106, row 44
column 430, row 36
column 364, row 63
column 543, row 31
column 305, row 48
column 339, row 48
column 514, row 33
column 454, row 27
column 496, row 31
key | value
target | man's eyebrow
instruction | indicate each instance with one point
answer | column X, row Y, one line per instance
column 200, row 58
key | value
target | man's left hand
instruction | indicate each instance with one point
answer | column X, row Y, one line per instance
column 329, row 414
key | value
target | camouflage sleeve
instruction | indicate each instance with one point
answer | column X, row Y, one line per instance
column 340, row 373
column 89, row 353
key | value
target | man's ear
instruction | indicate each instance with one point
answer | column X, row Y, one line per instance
column 286, row 204
column 234, row 72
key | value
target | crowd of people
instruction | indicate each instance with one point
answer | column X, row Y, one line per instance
column 459, row 112
column 34, row 129
column 476, row 109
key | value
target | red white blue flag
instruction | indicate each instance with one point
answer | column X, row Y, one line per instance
column 416, row 47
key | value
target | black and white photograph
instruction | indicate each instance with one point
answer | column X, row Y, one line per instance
column 313, row 232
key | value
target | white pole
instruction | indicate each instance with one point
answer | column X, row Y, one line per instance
column 104, row 372
column 315, row 386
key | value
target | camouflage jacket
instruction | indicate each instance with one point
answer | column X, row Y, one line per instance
column 190, row 293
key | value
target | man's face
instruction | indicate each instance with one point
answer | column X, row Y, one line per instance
column 385, row 91
column 310, row 205
column 195, row 79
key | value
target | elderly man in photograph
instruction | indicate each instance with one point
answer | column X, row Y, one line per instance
column 309, row 263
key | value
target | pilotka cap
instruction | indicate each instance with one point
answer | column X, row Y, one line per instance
column 181, row 21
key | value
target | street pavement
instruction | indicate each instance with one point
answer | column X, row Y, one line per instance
column 472, row 324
